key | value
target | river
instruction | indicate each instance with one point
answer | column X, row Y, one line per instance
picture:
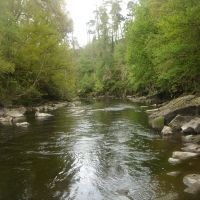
column 100, row 150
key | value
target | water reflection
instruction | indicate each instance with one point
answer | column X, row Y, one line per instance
column 102, row 150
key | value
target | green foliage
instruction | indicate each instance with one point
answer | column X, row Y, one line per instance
column 35, row 60
column 163, row 46
column 102, row 67
column 176, row 49
column 159, row 54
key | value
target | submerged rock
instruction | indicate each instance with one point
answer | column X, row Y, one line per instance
column 176, row 173
column 193, row 183
column 179, row 121
column 123, row 192
column 167, row 131
column 192, row 126
column 184, row 155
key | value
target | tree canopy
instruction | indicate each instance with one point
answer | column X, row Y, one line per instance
column 152, row 50
column 35, row 59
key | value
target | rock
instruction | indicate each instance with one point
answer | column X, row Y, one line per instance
column 194, row 189
column 179, row 121
column 152, row 110
column 144, row 107
column 192, row 126
column 191, row 139
column 15, row 112
column 142, row 100
column 23, row 124
column 176, row 173
column 77, row 103
column 38, row 114
column 184, row 155
column 6, row 120
column 2, row 112
column 182, row 105
column 157, row 123
column 123, row 192
column 193, row 183
column 190, row 179
column 174, row 161
column 195, row 148
column 167, row 131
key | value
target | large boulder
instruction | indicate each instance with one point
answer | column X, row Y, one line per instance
column 182, row 105
column 192, row 126
column 192, row 181
column 179, row 121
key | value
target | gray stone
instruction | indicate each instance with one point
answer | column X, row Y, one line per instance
column 190, row 179
column 193, row 183
column 174, row 161
column 152, row 110
column 179, row 121
column 6, row 120
column 192, row 126
column 176, row 173
column 43, row 115
column 194, row 189
column 15, row 112
column 167, row 131
column 191, row 139
column 23, row 124
column 195, row 148
column 184, row 155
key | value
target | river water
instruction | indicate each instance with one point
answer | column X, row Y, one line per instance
column 100, row 150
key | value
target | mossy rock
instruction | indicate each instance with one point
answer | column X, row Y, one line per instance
column 187, row 105
column 158, row 123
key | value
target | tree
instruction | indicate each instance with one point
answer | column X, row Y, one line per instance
column 34, row 50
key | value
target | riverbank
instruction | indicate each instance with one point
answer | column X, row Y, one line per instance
column 17, row 115
column 180, row 117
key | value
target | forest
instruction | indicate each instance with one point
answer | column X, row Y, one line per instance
column 152, row 50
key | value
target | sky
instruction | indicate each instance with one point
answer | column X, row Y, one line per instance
column 81, row 11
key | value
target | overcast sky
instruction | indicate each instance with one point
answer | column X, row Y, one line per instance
column 81, row 12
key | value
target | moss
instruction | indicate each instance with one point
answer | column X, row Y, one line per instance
column 158, row 123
